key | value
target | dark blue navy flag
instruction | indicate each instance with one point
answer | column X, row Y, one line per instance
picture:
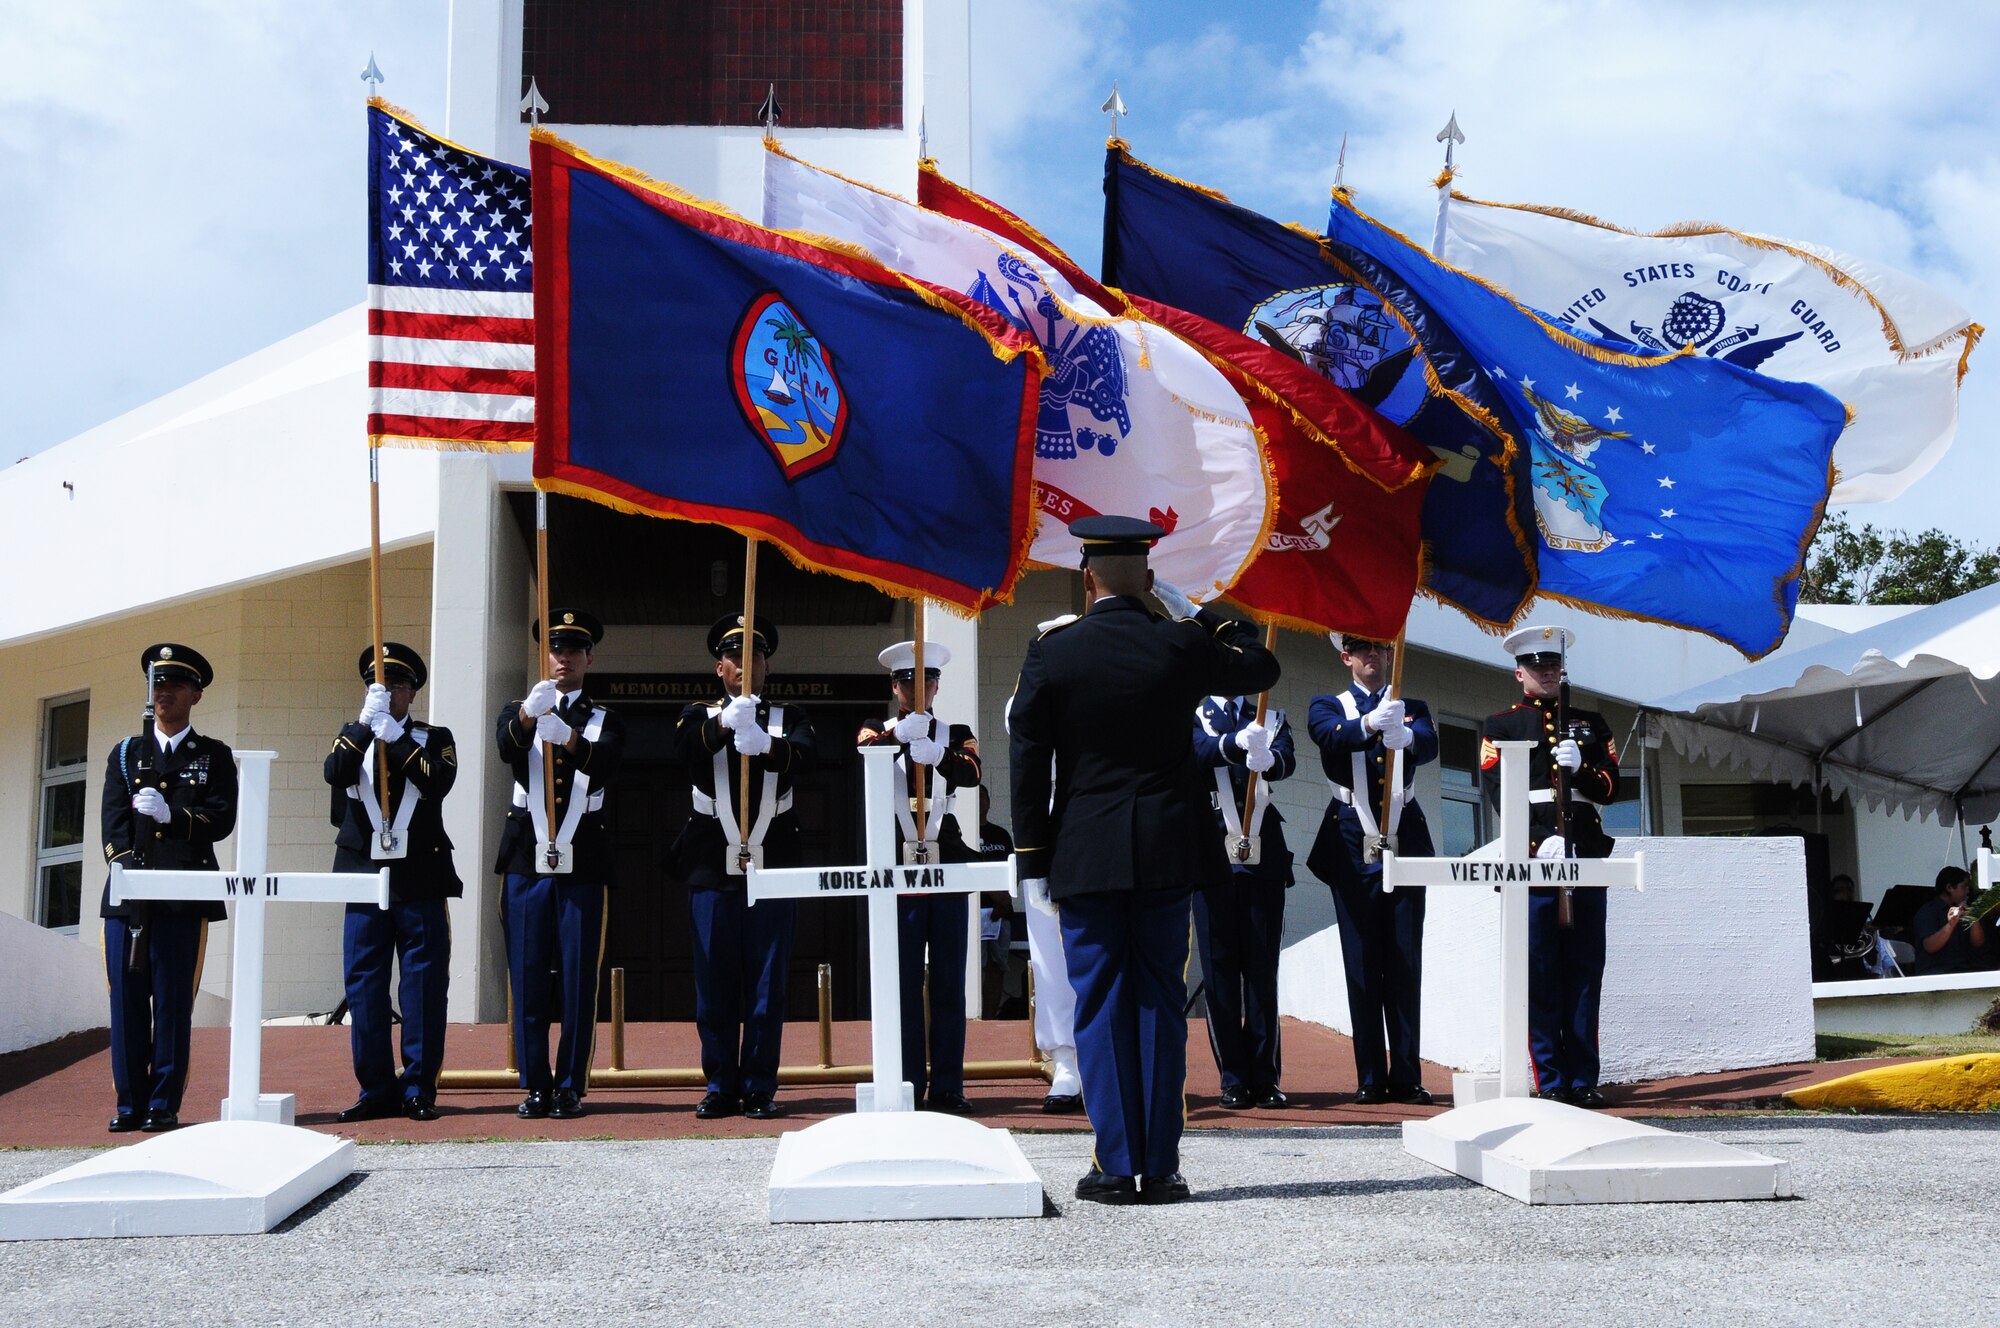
column 1190, row 247
column 1674, row 488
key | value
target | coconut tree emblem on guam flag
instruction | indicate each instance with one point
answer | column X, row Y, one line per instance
column 785, row 386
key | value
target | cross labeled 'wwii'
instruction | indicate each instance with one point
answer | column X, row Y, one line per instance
column 1533, row 1149
column 888, row 1160
column 250, row 1170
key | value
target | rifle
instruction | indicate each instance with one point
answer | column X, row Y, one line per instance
column 137, row 957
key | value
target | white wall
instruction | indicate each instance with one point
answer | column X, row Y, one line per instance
column 54, row 985
column 1705, row 970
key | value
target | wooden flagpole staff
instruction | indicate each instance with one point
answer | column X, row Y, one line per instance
column 743, row 679
column 1390, row 784
column 1243, row 849
column 918, row 686
column 554, row 852
column 385, row 845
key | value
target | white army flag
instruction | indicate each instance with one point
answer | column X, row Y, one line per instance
column 1893, row 349
column 1133, row 420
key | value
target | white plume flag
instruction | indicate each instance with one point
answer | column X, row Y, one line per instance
column 1890, row 347
column 1133, row 420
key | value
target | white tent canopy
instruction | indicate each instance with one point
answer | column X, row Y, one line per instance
column 1905, row 713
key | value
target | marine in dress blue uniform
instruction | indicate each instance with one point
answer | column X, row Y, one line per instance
column 1358, row 734
column 1127, row 837
column 741, row 950
column 163, row 809
column 939, row 924
column 1565, row 963
column 1240, row 924
column 415, row 931
column 554, row 922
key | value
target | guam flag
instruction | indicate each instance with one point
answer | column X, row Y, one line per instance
column 1670, row 487
column 694, row 365
column 1189, row 247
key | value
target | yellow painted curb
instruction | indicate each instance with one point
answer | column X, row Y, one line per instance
column 1952, row 1083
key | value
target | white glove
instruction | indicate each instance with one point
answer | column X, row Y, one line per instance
column 926, row 751
column 151, row 802
column 553, row 730
column 1173, row 598
column 1552, row 847
column 543, row 697
column 752, row 740
column 1398, row 738
column 376, row 704
column 1259, row 759
column 915, row 725
column 1382, row 718
column 1568, row 755
column 1254, row 737
column 389, row 729
column 1036, row 891
column 741, row 710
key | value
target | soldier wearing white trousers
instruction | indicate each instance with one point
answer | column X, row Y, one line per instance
column 1055, row 999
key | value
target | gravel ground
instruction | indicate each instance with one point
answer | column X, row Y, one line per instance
column 1288, row 1226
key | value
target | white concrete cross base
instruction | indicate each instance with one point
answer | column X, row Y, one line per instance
column 1542, row 1152
column 222, row 1178
column 890, row 1166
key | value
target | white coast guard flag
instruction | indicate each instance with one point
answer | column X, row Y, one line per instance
column 1133, row 420
column 1890, row 347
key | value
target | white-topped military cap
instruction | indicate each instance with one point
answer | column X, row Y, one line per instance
column 1537, row 644
column 901, row 659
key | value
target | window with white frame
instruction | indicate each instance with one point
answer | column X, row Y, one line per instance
column 1462, row 808
column 59, row 840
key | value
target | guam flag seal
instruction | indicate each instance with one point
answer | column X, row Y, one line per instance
column 701, row 367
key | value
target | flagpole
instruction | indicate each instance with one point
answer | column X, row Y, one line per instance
column 1263, row 707
column 372, row 77
column 744, row 653
column 542, row 617
column 1389, row 782
column 1449, row 135
column 918, row 687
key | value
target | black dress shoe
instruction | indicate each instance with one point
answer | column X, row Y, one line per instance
column 125, row 1122
column 760, row 1106
column 534, row 1106
column 369, row 1108
column 1554, row 1095
column 568, row 1105
column 1371, row 1096
column 952, row 1104
column 1096, row 1187
column 1063, row 1104
column 1235, row 1099
column 420, row 1109
column 1164, row 1189
column 1588, row 1097
column 158, row 1122
column 714, row 1106
column 1273, row 1099
column 1414, row 1094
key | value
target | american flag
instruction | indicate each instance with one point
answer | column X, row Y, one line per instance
column 451, row 305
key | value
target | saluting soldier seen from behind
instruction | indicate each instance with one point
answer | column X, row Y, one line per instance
column 936, row 762
column 1363, row 735
column 554, row 920
column 415, row 931
column 1574, row 748
column 169, row 796
column 741, row 950
column 1114, row 832
column 1240, row 924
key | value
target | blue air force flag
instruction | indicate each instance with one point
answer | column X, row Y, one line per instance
column 1678, row 488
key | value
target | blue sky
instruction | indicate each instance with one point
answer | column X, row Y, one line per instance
column 170, row 210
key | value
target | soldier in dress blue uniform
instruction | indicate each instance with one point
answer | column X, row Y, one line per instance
column 741, row 950
column 1127, row 837
column 554, row 921
column 1239, row 925
column 1565, row 962
column 939, row 923
column 1360, row 732
column 415, row 930
column 163, row 809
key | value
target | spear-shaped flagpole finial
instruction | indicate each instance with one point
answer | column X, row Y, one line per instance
column 1450, row 135
column 1115, row 105
column 769, row 112
column 1340, row 164
column 533, row 103
column 372, row 76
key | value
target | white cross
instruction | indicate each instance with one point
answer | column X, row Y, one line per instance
column 1505, row 863
column 880, row 879
column 250, row 888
